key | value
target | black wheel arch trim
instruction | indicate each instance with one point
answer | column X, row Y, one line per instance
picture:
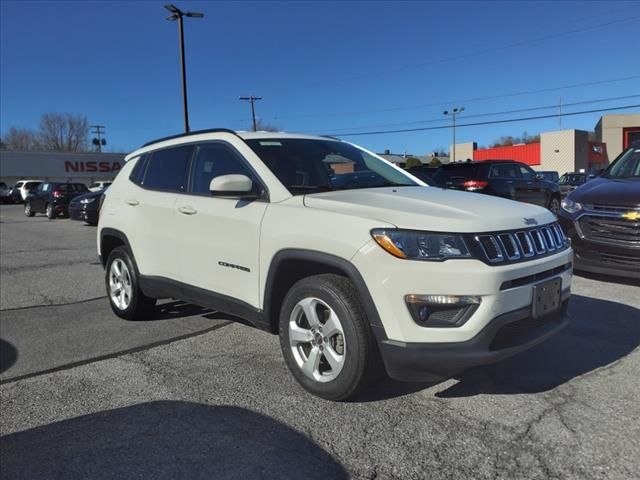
column 112, row 232
column 333, row 261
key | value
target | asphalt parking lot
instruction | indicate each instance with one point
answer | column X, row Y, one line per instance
column 191, row 394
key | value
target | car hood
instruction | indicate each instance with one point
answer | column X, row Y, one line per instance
column 432, row 208
column 82, row 196
column 609, row 191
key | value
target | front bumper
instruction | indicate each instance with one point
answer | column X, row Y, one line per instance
column 601, row 258
column 415, row 352
column 504, row 336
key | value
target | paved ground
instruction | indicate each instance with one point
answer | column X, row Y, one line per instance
column 192, row 395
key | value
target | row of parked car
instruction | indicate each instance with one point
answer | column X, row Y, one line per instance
column 69, row 199
column 599, row 210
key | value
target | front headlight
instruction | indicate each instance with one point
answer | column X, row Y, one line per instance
column 88, row 200
column 571, row 206
column 416, row 245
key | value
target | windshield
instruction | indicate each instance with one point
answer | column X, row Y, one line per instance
column 311, row 166
column 72, row 187
column 626, row 165
column 572, row 179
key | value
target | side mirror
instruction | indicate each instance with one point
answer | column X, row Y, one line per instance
column 539, row 176
column 231, row 186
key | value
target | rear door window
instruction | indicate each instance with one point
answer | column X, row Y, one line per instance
column 507, row 170
column 447, row 174
column 167, row 169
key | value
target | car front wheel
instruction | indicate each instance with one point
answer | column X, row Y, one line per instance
column 125, row 297
column 326, row 339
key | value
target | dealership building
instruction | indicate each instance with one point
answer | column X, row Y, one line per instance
column 86, row 168
column 566, row 150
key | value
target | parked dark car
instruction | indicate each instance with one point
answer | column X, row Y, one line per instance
column 549, row 175
column 86, row 208
column 52, row 198
column 570, row 181
column 602, row 218
column 424, row 173
column 502, row 178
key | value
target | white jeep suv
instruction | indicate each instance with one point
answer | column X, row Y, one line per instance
column 359, row 267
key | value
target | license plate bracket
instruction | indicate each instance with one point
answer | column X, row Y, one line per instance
column 547, row 297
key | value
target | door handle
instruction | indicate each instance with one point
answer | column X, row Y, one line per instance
column 187, row 210
column 509, row 181
column 132, row 202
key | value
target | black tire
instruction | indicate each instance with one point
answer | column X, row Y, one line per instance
column 51, row 214
column 139, row 307
column 554, row 204
column 28, row 211
column 362, row 364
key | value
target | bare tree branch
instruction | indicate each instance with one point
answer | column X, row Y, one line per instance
column 21, row 139
column 64, row 132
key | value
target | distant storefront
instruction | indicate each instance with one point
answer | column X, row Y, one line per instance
column 566, row 150
column 59, row 166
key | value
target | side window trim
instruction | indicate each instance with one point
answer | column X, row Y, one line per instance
column 255, row 177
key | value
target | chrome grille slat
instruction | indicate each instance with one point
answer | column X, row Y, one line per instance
column 505, row 247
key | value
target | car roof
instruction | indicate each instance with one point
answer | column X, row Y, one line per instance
column 216, row 134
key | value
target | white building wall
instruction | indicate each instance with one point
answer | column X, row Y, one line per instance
column 59, row 166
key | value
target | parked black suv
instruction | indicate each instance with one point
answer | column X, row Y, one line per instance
column 503, row 178
column 52, row 198
column 602, row 218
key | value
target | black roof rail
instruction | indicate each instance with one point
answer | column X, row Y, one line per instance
column 195, row 132
column 331, row 137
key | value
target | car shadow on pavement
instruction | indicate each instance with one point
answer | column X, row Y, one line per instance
column 600, row 333
column 177, row 309
column 167, row 440
column 8, row 355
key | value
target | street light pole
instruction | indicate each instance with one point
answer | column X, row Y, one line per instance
column 177, row 14
column 251, row 99
column 453, row 114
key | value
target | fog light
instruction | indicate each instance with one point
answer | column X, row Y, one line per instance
column 441, row 311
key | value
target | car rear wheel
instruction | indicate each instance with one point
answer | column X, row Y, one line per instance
column 125, row 297
column 28, row 211
column 51, row 214
column 326, row 339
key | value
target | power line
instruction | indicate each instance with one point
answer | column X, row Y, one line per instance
column 489, row 122
column 468, row 100
column 490, row 114
column 476, row 53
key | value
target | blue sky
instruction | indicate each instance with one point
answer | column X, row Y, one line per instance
column 322, row 67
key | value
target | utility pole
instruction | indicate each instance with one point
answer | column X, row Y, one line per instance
column 453, row 114
column 98, row 141
column 251, row 99
column 560, row 115
column 177, row 14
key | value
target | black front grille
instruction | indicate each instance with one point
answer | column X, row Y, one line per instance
column 611, row 230
column 508, row 247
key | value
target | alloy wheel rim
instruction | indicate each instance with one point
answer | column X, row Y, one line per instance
column 555, row 206
column 316, row 339
column 27, row 209
column 120, row 289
